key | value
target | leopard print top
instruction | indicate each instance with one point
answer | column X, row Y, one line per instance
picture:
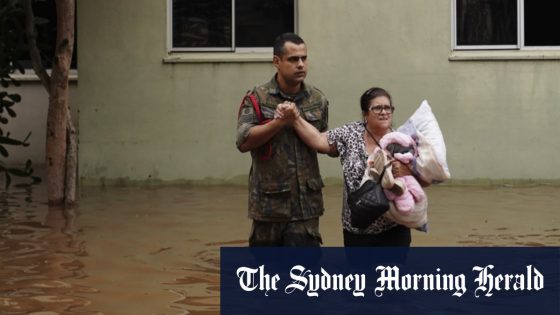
column 349, row 140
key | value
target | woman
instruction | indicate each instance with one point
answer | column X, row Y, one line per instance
column 354, row 142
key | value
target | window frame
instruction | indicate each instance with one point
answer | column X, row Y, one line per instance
column 232, row 49
column 520, row 34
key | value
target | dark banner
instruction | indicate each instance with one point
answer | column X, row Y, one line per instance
column 443, row 280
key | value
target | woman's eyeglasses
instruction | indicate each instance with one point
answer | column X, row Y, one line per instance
column 379, row 108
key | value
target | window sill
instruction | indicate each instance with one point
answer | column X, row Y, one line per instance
column 30, row 76
column 490, row 55
column 218, row 57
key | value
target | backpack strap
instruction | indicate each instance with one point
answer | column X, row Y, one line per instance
column 256, row 107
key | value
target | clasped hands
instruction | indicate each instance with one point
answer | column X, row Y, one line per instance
column 287, row 112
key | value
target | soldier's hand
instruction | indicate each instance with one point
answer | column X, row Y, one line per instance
column 286, row 111
column 291, row 112
column 280, row 111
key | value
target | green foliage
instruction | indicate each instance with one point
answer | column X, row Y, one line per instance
column 26, row 172
column 12, row 46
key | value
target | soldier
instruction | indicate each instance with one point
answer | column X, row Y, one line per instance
column 285, row 198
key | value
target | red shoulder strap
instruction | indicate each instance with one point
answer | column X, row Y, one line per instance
column 256, row 107
column 265, row 151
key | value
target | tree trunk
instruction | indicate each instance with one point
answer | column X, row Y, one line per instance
column 71, row 162
column 61, row 147
column 56, row 144
column 58, row 117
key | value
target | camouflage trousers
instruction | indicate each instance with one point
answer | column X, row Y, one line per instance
column 295, row 233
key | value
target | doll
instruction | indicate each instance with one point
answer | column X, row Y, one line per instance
column 405, row 191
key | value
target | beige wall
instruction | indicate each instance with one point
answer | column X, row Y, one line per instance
column 142, row 119
column 31, row 117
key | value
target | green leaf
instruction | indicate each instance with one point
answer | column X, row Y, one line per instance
column 7, row 140
column 27, row 138
column 6, row 103
column 17, row 172
column 15, row 97
column 3, row 120
column 11, row 112
column 28, row 164
column 3, row 151
column 3, row 94
column 36, row 180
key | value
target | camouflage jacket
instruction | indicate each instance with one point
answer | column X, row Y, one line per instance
column 288, row 186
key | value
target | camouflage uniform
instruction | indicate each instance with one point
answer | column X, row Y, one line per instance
column 287, row 188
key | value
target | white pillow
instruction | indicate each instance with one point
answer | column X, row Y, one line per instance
column 431, row 163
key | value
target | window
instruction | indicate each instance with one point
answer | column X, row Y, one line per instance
column 228, row 25
column 506, row 24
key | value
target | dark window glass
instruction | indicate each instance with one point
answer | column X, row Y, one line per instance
column 259, row 22
column 542, row 26
column 487, row 22
column 207, row 23
column 202, row 23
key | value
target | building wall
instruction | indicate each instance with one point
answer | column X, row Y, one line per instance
column 143, row 119
column 32, row 117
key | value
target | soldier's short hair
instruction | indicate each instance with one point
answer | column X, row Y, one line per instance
column 282, row 39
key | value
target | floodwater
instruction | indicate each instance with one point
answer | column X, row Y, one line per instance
column 156, row 250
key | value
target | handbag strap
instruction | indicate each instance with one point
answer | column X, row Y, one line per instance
column 377, row 142
column 372, row 137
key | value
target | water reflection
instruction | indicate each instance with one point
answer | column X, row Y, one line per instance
column 156, row 250
column 39, row 253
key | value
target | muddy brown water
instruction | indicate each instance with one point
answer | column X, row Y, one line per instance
column 156, row 250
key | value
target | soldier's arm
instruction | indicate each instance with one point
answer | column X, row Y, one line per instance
column 260, row 134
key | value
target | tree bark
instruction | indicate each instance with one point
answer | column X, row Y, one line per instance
column 71, row 163
column 61, row 146
column 59, row 112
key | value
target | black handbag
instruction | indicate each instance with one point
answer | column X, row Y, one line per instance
column 367, row 203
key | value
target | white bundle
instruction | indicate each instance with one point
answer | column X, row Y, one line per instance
column 431, row 163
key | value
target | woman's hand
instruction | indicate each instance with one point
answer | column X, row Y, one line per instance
column 286, row 111
column 399, row 169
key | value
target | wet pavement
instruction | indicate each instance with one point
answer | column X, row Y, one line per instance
column 156, row 250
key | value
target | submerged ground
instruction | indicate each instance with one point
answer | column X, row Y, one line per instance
column 156, row 250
